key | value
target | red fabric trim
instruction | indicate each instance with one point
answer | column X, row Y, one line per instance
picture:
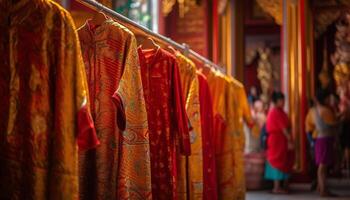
column 87, row 138
column 121, row 118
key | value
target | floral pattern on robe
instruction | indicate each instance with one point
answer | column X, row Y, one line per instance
column 120, row 167
column 166, row 117
column 190, row 87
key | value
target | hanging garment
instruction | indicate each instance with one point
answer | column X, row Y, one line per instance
column 190, row 88
column 166, row 117
column 120, row 167
column 241, row 114
column 207, row 124
column 224, row 144
column 44, row 108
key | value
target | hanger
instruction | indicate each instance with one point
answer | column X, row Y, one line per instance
column 146, row 42
column 206, row 68
column 171, row 49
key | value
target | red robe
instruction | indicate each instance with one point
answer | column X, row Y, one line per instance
column 207, row 122
column 278, row 154
column 166, row 117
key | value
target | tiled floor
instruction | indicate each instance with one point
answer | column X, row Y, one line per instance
column 301, row 192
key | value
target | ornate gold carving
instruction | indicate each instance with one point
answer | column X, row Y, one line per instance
column 273, row 8
column 184, row 6
column 341, row 60
column 341, row 57
column 324, row 19
column 266, row 74
column 167, row 6
column 327, row 12
column 324, row 76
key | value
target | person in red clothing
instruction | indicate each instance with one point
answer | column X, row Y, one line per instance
column 279, row 146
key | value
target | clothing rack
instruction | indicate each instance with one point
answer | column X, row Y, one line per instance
column 124, row 20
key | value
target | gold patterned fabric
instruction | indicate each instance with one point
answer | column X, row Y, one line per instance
column 241, row 114
column 120, row 167
column 219, row 88
column 231, row 110
column 44, row 102
column 190, row 88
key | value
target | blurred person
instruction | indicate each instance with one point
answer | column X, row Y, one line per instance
column 259, row 117
column 280, row 157
column 322, row 121
column 311, row 134
column 253, row 95
column 259, row 113
column 345, row 144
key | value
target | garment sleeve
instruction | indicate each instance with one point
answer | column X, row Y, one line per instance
column 180, row 111
column 245, row 108
column 72, row 57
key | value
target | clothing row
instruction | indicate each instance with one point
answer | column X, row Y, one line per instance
column 89, row 115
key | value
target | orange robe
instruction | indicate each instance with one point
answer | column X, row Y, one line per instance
column 241, row 114
column 190, row 88
column 220, row 90
column 44, row 108
column 166, row 117
column 120, row 167
column 230, row 103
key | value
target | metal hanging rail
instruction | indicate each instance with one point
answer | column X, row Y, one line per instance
column 124, row 20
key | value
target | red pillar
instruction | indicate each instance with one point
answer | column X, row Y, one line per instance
column 161, row 19
column 215, row 17
column 303, row 103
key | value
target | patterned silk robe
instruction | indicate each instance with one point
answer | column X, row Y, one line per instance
column 190, row 88
column 120, row 167
column 207, row 123
column 44, row 108
column 166, row 117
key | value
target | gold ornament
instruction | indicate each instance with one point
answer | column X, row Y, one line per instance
column 167, row 6
column 184, row 6
column 266, row 74
column 273, row 8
